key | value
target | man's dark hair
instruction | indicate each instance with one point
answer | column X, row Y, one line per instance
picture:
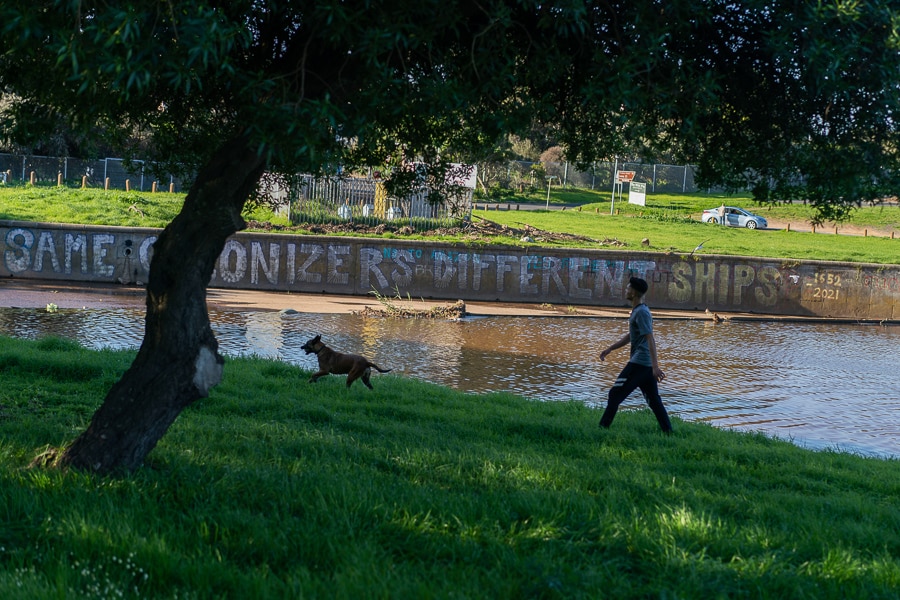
column 638, row 285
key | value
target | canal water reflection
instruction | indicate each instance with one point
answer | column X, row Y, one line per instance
column 819, row 385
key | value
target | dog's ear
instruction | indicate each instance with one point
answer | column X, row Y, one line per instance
column 316, row 339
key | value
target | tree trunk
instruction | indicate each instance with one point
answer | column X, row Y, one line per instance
column 178, row 361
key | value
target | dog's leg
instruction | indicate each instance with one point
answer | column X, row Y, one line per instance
column 365, row 378
column 352, row 376
column 315, row 376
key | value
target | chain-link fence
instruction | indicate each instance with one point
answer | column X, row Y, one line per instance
column 107, row 173
column 307, row 199
column 111, row 173
column 517, row 175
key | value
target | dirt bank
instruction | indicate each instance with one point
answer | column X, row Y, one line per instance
column 38, row 294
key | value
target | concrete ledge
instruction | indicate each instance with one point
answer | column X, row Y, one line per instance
column 477, row 274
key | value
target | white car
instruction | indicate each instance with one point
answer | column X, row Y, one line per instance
column 735, row 217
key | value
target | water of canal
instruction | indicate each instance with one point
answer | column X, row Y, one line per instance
column 818, row 385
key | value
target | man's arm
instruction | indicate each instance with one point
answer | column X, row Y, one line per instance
column 651, row 343
column 622, row 341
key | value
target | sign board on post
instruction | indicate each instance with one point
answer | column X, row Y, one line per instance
column 621, row 178
column 637, row 193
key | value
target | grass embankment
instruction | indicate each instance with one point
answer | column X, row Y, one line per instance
column 273, row 487
column 669, row 222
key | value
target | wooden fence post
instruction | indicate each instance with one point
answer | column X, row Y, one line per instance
column 127, row 185
column 106, row 184
column 59, row 179
column 32, row 178
column 83, row 181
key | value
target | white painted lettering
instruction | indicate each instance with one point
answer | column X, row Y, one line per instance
column 18, row 254
column 258, row 261
column 369, row 259
column 76, row 244
column 402, row 277
column 229, row 273
column 481, row 262
column 443, row 270
column 704, row 283
column 315, row 251
column 503, row 269
column 101, row 241
column 640, row 268
column 290, row 263
column 723, row 283
column 45, row 245
column 767, row 294
column 608, row 274
column 526, row 275
column 577, row 267
column 145, row 252
column 551, row 267
column 680, row 289
column 743, row 277
column 462, row 263
column 334, row 264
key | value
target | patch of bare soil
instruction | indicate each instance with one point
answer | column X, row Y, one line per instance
column 834, row 228
column 478, row 230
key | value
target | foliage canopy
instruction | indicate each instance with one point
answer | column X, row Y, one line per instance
column 756, row 92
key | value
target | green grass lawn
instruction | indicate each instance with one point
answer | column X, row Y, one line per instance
column 670, row 222
column 679, row 234
column 94, row 206
column 277, row 488
column 690, row 205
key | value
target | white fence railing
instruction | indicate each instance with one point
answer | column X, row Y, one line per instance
column 366, row 201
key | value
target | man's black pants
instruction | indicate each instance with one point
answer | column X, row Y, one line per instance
column 635, row 376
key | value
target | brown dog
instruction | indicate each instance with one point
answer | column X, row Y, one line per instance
column 353, row 365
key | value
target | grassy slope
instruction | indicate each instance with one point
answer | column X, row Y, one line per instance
column 887, row 215
column 273, row 487
column 93, row 206
column 671, row 223
column 680, row 235
column 89, row 207
column 666, row 221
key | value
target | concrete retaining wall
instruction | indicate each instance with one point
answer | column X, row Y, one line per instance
column 421, row 269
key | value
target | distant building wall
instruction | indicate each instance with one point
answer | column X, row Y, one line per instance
column 421, row 269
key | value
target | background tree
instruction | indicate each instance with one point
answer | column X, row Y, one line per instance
column 810, row 109
column 233, row 89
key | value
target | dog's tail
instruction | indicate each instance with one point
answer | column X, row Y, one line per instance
column 379, row 369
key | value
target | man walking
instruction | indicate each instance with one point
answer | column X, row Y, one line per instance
column 642, row 370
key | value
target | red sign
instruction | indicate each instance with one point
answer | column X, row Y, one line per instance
column 624, row 176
